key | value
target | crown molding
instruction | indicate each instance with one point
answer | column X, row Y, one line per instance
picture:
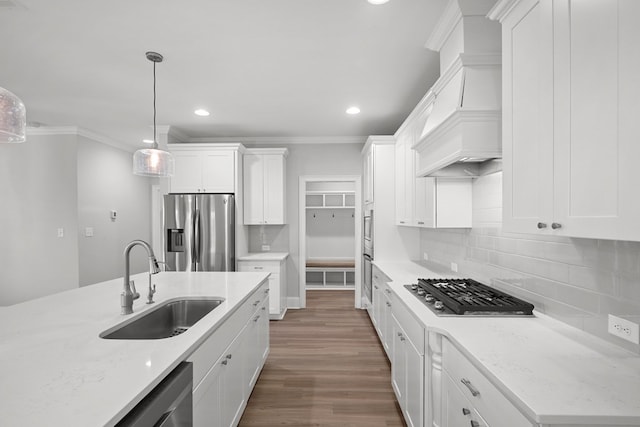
column 444, row 27
column 78, row 131
column 269, row 140
column 501, row 9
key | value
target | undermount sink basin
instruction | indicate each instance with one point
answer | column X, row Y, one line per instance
column 168, row 319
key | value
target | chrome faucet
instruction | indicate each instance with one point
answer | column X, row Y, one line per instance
column 128, row 295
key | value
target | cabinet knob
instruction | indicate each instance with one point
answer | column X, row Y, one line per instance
column 264, row 308
column 401, row 222
column 542, row 225
column 376, row 287
column 228, row 356
column 224, row 362
column 420, row 222
column 255, row 319
column 256, row 303
column 399, row 334
column 401, row 338
column 465, row 411
column 388, row 304
column 474, row 423
column 555, row 225
column 472, row 389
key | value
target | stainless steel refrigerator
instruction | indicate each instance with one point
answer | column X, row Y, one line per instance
column 199, row 232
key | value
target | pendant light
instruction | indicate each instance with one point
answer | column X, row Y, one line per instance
column 13, row 118
column 153, row 161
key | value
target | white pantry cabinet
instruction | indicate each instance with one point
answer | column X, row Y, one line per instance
column 204, row 168
column 571, row 94
column 277, row 282
column 264, row 186
column 226, row 366
column 377, row 168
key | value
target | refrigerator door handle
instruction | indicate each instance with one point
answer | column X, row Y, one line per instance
column 196, row 235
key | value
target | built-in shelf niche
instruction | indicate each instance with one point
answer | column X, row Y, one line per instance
column 330, row 200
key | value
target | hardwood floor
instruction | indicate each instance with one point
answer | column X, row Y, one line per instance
column 326, row 367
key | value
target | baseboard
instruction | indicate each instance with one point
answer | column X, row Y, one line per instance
column 293, row 303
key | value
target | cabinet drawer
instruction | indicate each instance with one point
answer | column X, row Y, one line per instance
column 378, row 277
column 413, row 329
column 490, row 403
column 259, row 266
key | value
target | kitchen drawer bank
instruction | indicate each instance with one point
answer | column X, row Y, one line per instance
column 54, row 366
column 533, row 371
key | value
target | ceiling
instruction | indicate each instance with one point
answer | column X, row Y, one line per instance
column 263, row 68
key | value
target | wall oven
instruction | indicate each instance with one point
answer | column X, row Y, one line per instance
column 367, row 255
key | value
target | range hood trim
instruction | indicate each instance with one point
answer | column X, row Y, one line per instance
column 457, row 138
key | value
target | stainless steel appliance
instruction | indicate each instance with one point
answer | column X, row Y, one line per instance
column 367, row 255
column 199, row 232
column 459, row 297
column 170, row 404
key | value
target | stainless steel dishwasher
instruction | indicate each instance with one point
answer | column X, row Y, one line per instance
column 170, row 404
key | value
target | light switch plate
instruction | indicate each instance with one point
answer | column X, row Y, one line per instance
column 624, row 329
column 266, row 247
column 454, row 267
column 88, row 232
column 425, row 256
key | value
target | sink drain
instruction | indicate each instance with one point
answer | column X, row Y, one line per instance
column 177, row 331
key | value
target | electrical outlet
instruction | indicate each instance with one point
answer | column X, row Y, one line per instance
column 266, row 248
column 88, row 232
column 624, row 329
column 454, row 267
column 425, row 256
column 60, row 232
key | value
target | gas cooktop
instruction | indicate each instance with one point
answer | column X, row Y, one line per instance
column 455, row 297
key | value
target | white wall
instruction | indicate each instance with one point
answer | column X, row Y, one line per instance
column 304, row 159
column 105, row 183
column 37, row 196
column 66, row 181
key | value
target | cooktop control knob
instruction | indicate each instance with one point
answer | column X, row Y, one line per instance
column 414, row 287
column 429, row 298
column 421, row 292
column 438, row 305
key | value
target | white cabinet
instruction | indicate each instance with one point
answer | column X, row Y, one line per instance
column 407, row 364
column 424, row 201
column 571, row 95
column 367, row 173
column 382, row 321
column 277, row 282
column 468, row 396
column 264, row 186
column 204, row 169
column 377, row 170
column 226, row 366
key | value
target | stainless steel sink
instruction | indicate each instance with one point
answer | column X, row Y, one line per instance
column 168, row 319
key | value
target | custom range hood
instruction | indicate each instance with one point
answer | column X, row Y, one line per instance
column 463, row 127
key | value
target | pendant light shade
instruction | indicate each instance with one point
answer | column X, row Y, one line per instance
column 13, row 118
column 153, row 162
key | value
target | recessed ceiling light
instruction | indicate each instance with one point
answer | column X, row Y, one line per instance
column 353, row 110
column 148, row 141
column 201, row 112
column 377, row 1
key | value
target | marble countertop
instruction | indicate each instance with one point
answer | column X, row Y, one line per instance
column 264, row 256
column 55, row 370
column 553, row 372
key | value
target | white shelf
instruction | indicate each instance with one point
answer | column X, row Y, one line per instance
column 330, row 199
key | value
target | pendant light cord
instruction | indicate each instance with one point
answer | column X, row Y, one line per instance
column 155, row 141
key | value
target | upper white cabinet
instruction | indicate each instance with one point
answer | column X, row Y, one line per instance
column 571, row 96
column 204, row 168
column 264, row 186
column 367, row 172
column 376, row 170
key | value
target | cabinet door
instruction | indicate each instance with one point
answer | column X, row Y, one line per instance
column 387, row 325
column 596, row 41
column 207, row 409
column 414, row 411
column 274, row 294
column 527, row 137
column 188, row 172
column 218, row 171
column 399, row 364
column 425, row 202
column 402, row 216
column 274, row 189
column 256, row 345
column 232, row 381
column 367, row 171
column 253, row 189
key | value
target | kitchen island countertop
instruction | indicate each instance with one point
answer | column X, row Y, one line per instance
column 553, row 372
column 55, row 370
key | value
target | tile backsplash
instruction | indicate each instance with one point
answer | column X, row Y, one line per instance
column 577, row 281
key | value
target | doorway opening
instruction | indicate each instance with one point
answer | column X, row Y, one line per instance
column 330, row 245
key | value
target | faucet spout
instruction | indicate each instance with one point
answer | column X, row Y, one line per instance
column 128, row 295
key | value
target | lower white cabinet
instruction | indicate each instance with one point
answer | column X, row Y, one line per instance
column 381, row 295
column 277, row 283
column 238, row 349
column 469, row 398
column 407, row 364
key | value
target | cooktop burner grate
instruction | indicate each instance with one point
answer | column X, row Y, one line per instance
column 466, row 296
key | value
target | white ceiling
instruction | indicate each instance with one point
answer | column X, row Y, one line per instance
column 263, row 68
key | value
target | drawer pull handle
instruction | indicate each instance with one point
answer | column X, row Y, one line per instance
column 266, row 291
column 375, row 286
column 420, row 222
column 541, row 225
column 474, row 423
column 228, row 356
column 264, row 308
column 402, row 338
column 399, row 334
column 224, row 362
column 555, row 225
column 257, row 268
column 256, row 303
column 255, row 319
column 472, row 389
column 388, row 291
column 465, row 411
column 388, row 304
